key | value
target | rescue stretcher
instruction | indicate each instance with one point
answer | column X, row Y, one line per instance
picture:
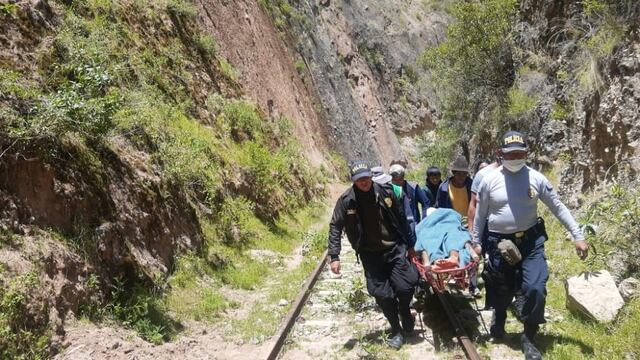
column 439, row 278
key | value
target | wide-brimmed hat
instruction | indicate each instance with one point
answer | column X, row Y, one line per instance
column 513, row 141
column 459, row 164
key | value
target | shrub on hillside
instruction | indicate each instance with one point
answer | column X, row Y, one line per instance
column 614, row 222
column 473, row 68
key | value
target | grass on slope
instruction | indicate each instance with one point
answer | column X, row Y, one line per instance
column 145, row 75
column 195, row 284
column 615, row 211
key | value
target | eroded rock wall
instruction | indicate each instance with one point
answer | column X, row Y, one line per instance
column 362, row 57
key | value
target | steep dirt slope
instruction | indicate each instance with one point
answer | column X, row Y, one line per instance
column 248, row 39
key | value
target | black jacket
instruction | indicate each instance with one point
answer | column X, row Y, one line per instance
column 345, row 217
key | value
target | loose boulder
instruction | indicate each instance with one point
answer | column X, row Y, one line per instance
column 594, row 294
column 629, row 288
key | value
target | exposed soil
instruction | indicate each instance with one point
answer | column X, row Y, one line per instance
column 248, row 39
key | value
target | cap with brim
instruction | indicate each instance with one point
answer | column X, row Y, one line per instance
column 382, row 179
column 512, row 149
column 360, row 170
column 513, row 141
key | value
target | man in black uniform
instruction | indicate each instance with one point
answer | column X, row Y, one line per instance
column 376, row 226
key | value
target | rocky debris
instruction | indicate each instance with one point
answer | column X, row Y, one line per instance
column 629, row 288
column 594, row 294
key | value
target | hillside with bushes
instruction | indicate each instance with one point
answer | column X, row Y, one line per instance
column 167, row 165
column 129, row 153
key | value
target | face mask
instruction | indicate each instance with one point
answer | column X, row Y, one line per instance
column 514, row 165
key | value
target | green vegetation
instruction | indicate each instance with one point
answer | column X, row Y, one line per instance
column 372, row 55
column 300, row 66
column 560, row 111
column 519, row 102
column 128, row 75
column 472, row 69
column 22, row 336
column 439, row 149
column 614, row 211
column 207, row 45
column 142, row 309
column 8, row 9
column 265, row 317
column 281, row 12
column 196, row 280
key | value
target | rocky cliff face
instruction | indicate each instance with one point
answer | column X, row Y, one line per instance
column 361, row 57
column 578, row 67
column 594, row 72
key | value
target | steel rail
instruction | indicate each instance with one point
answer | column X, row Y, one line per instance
column 465, row 341
column 291, row 317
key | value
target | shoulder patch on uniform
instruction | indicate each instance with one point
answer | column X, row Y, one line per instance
column 549, row 187
column 351, row 211
column 388, row 201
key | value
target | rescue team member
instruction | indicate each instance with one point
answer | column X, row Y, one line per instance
column 455, row 192
column 414, row 192
column 508, row 199
column 482, row 163
column 475, row 184
column 432, row 183
column 382, row 178
column 376, row 226
column 482, row 238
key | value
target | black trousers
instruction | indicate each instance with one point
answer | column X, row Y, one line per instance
column 391, row 279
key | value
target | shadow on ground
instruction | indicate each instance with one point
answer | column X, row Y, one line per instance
column 379, row 337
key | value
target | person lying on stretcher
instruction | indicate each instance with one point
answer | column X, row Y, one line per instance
column 442, row 241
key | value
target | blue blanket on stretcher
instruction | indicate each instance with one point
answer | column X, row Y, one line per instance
column 440, row 233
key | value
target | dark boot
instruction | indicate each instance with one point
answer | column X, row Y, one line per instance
column 496, row 331
column 529, row 348
column 396, row 340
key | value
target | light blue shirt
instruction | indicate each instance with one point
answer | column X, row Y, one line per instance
column 509, row 201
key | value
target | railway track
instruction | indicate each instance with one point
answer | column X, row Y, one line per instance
column 318, row 325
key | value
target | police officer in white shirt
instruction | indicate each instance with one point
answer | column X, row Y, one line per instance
column 507, row 204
